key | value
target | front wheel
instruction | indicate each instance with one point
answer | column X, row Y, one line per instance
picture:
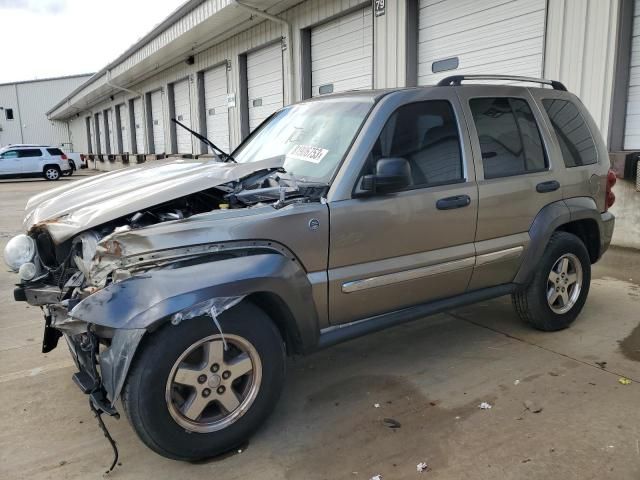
column 559, row 287
column 188, row 398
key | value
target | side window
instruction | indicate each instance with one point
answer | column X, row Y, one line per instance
column 55, row 151
column 426, row 134
column 510, row 141
column 574, row 137
column 9, row 154
column 29, row 152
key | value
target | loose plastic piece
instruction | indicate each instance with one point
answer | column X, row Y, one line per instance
column 532, row 406
column 516, row 382
column 624, row 381
column 391, row 423
column 484, row 406
column 116, row 360
column 422, row 467
column 376, row 405
column 376, row 477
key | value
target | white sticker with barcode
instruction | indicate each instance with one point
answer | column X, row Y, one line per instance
column 307, row 153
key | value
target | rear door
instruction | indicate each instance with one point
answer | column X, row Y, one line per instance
column 31, row 160
column 392, row 251
column 516, row 179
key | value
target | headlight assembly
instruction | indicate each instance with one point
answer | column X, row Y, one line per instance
column 19, row 250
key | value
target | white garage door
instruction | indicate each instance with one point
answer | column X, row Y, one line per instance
column 264, row 83
column 101, row 133
column 491, row 37
column 182, row 111
column 342, row 54
column 138, row 120
column 157, row 123
column 215, row 104
column 632, row 123
column 123, row 122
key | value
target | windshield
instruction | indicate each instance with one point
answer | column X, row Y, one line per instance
column 314, row 137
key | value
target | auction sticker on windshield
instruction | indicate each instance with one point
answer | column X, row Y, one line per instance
column 307, row 153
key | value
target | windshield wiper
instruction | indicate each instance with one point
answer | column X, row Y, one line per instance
column 223, row 155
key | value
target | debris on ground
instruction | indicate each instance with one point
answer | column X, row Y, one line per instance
column 376, row 405
column 532, row 406
column 516, row 382
column 422, row 467
column 391, row 423
column 484, row 406
column 624, row 381
column 376, row 477
column 602, row 365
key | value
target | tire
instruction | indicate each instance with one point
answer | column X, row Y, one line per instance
column 72, row 168
column 547, row 308
column 155, row 416
column 51, row 173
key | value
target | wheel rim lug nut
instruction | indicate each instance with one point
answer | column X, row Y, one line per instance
column 226, row 374
column 202, row 378
column 215, row 367
column 220, row 390
column 206, row 392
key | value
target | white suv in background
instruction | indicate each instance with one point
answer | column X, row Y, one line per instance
column 33, row 161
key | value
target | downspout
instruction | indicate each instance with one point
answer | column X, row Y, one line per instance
column 144, row 107
column 289, row 28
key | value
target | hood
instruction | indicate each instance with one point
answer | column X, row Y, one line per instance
column 87, row 203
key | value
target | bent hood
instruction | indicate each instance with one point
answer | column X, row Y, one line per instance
column 87, row 203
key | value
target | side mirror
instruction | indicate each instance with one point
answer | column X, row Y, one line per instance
column 392, row 175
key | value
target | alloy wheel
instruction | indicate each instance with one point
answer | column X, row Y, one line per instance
column 209, row 388
column 564, row 283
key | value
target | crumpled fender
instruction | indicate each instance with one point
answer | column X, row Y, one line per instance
column 149, row 299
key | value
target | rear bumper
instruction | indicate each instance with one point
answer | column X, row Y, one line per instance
column 606, row 230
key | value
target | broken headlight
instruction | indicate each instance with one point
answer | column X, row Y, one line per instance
column 19, row 250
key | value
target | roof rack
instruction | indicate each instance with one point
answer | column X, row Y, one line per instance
column 456, row 80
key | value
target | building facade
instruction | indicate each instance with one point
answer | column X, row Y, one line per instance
column 23, row 111
column 222, row 66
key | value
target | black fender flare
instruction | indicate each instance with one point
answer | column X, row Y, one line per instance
column 148, row 300
column 548, row 220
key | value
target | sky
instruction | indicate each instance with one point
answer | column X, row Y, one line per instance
column 51, row 38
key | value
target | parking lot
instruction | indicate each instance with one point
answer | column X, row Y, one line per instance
column 429, row 376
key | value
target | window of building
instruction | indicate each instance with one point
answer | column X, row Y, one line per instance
column 573, row 134
column 426, row 134
column 29, row 152
column 510, row 141
column 8, row 112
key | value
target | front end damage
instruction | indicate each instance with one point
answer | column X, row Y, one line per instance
column 103, row 288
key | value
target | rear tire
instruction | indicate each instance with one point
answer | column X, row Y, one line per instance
column 51, row 172
column 559, row 287
column 175, row 372
column 72, row 168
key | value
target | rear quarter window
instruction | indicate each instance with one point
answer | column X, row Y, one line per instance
column 54, row 151
column 572, row 132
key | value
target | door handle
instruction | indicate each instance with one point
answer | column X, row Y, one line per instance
column 550, row 186
column 449, row 203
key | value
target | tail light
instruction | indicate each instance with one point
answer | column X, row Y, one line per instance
column 610, row 197
column 82, row 157
column 63, row 157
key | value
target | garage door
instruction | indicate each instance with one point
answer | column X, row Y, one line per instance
column 491, row 37
column 632, row 123
column 138, row 121
column 123, row 130
column 101, row 133
column 157, row 124
column 342, row 54
column 215, row 105
column 264, row 83
column 182, row 111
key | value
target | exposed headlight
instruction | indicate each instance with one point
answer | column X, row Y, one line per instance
column 27, row 271
column 19, row 250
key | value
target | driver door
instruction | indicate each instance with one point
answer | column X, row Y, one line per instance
column 391, row 251
column 9, row 163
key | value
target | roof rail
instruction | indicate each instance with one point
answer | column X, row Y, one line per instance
column 456, row 80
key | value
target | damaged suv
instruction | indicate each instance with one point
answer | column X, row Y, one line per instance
column 181, row 286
